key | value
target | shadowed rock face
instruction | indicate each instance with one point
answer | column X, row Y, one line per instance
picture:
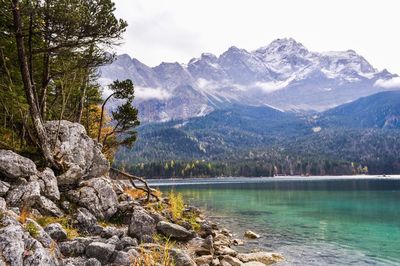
column 79, row 153
column 98, row 196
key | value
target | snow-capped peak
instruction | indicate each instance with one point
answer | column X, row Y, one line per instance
column 283, row 74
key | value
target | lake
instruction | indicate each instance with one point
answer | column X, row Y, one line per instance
column 311, row 221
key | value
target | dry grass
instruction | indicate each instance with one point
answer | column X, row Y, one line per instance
column 158, row 255
column 25, row 214
column 53, row 248
column 135, row 193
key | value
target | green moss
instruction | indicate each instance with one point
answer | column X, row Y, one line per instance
column 32, row 229
column 64, row 221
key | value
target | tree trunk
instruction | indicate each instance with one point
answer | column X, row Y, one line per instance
column 101, row 116
column 81, row 102
column 30, row 96
column 45, row 83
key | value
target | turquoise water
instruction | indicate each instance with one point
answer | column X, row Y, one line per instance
column 311, row 222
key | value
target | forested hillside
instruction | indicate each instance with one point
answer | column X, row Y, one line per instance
column 359, row 137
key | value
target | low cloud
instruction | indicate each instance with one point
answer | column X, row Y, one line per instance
column 392, row 83
column 148, row 93
column 273, row 85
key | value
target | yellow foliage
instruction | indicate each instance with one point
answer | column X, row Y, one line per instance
column 176, row 205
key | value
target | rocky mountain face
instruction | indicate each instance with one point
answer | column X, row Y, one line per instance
column 284, row 75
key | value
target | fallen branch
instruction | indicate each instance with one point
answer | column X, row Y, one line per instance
column 150, row 191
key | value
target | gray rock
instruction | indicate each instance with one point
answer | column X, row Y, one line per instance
column 263, row 257
column 141, row 225
column 110, row 231
column 224, row 250
column 97, row 195
column 250, row 234
column 231, row 261
column 12, row 245
column 47, row 207
column 24, row 195
column 3, row 204
column 85, row 221
column 72, row 248
column 203, row 260
column 126, row 242
column 48, row 184
column 80, row 153
column 125, row 258
column 13, row 165
column 205, row 230
column 221, row 240
column 18, row 247
column 4, row 187
column 202, row 246
column 181, row 258
column 56, row 232
column 100, row 251
column 66, row 205
column 113, row 240
column 38, row 233
column 92, row 262
column 81, row 261
column 174, row 231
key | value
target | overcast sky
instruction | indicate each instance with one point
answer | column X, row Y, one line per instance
column 178, row 30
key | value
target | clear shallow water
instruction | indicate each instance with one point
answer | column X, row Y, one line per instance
column 311, row 222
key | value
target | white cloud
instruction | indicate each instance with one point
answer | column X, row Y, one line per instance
column 147, row 93
column 388, row 83
column 273, row 85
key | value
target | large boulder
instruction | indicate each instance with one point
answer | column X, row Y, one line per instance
column 85, row 221
column 98, row 196
column 181, row 258
column 56, row 232
column 100, row 251
column 24, row 195
column 202, row 246
column 80, row 154
column 174, row 231
column 142, row 225
column 14, row 166
column 48, row 184
column 47, row 207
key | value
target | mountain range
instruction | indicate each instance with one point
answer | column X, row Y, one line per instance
column 283, row 75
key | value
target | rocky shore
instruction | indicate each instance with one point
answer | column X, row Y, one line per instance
column 82, row 216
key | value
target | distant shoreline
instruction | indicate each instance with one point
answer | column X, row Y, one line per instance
column 227, row 180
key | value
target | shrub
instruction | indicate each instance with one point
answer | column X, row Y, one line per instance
column 176, row 205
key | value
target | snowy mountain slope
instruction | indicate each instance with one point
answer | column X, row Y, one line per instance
column 284, row 75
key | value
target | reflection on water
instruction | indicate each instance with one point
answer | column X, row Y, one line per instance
column 314, row 222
